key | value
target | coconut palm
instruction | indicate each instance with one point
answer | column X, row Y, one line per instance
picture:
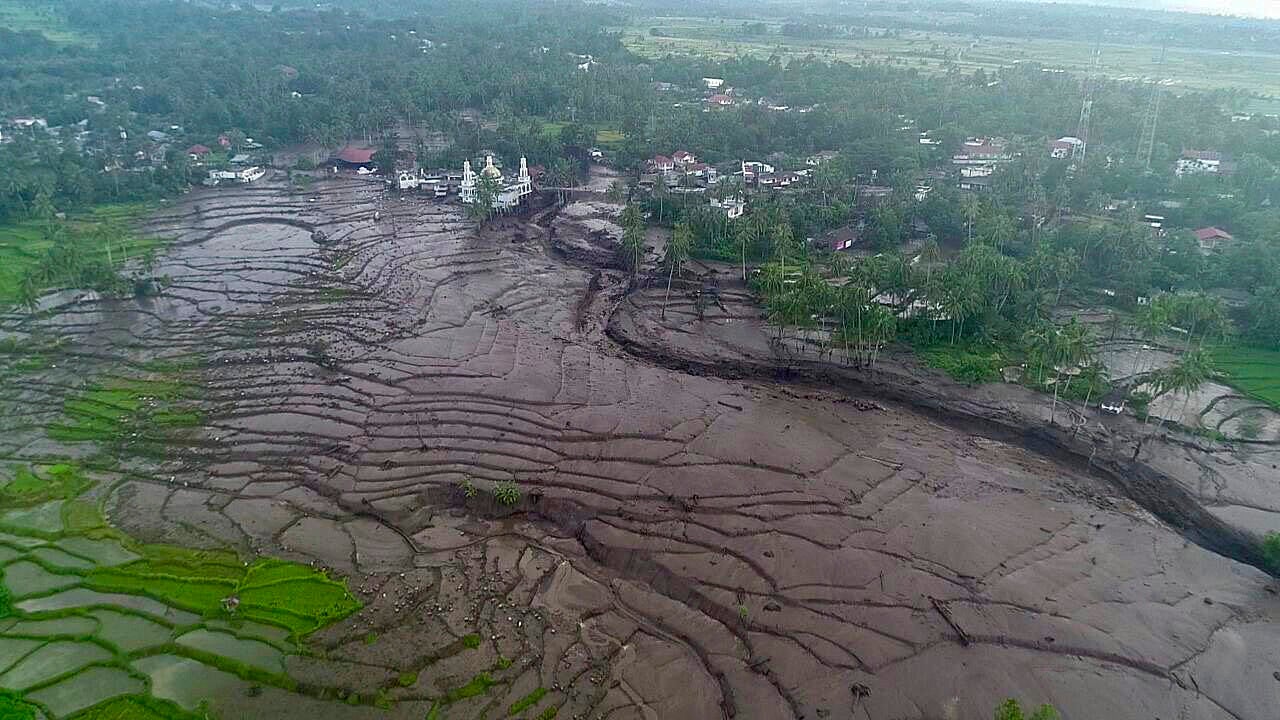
column 633, row 237
column 1185, row 376
column 676, row 255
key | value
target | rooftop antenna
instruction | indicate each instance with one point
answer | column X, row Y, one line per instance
column 1078, row 152
column 1147, row 140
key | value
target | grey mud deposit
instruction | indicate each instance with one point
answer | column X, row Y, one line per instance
column 684, row 546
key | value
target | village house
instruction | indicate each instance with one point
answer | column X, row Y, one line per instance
column 871, row 195
column 1064, row 147
column 242, row 176
column 1202, row 162
column 981, row 151
column 976, row 184
column 353, row 156
column 720, row 100
column 751, row 169
column 198, row 152
column 842, row 239
column 28, row 123
column 683, row 158
column 1212, row 238
column 712, row 83
column 821, row 158
column 662, row 164
column 733, row 207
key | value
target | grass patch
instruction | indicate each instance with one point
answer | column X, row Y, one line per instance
column 609, row 138
column 127, row 411
column 42, row 483
column 549, row 713
column 288, row 595
column 13, row 708
column 526, row 702
column 1251, row 371
column 133, row 707
column 471, row 641
column 479, row 685
column 43, row 18
column 968, row 364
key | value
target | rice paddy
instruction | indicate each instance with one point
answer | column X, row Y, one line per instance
column 1252, row 371
column 89, row 616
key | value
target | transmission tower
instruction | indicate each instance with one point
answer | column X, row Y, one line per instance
column 1078, row 152
column 1147, row 140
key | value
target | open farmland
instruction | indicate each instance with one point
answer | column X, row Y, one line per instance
column 1254, row 73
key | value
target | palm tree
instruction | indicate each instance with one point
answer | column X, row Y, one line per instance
column 677, row 254
column 972, row 208
column 633, row 237
column 1070, row 347
column 1185, row 376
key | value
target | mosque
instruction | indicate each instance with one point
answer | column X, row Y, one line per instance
column 509, row 194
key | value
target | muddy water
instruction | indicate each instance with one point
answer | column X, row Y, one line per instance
column 681, row 547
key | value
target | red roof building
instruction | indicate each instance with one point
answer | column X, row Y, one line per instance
column 721, row 100
column 224, row 141
column 198, row 151
column 683, row 157
column 1211, row 237
column 355, row 155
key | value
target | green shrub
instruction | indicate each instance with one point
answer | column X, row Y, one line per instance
column 972, row 367
column 1271, row 551
column 526, row 702
column 507, row 493
column 1011, row 710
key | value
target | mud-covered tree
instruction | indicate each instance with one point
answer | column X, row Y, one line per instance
column 632, row 237
column 676, row 255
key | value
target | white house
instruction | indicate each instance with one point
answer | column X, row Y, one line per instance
column 733, row 207
column 752, row 168
column 713, row 83
column 1063, row 147
column 242, row 176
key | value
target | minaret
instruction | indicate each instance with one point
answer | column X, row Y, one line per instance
column 467, row 190
column 526, row 183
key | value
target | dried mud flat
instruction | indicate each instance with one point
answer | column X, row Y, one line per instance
column 683, row 545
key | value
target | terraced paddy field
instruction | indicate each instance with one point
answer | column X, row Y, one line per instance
column 408, row 474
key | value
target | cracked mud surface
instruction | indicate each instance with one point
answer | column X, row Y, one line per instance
column 684, row 546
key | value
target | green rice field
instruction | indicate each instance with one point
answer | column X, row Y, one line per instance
column 1252, row 371
column 23, row 245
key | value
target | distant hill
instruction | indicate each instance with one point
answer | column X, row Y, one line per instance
column 1246, row 8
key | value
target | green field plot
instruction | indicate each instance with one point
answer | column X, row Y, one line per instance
column 26, row 16
column 1189, row 68
column 1252, row 371
column 70, row 253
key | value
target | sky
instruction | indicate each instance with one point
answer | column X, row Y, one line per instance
column 1251, row 8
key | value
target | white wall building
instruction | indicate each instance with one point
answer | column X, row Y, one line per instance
column 509, row 194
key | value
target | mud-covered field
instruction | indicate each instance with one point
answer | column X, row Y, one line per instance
column 543, row 521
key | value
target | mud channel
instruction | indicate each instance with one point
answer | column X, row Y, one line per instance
column 690, row 536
